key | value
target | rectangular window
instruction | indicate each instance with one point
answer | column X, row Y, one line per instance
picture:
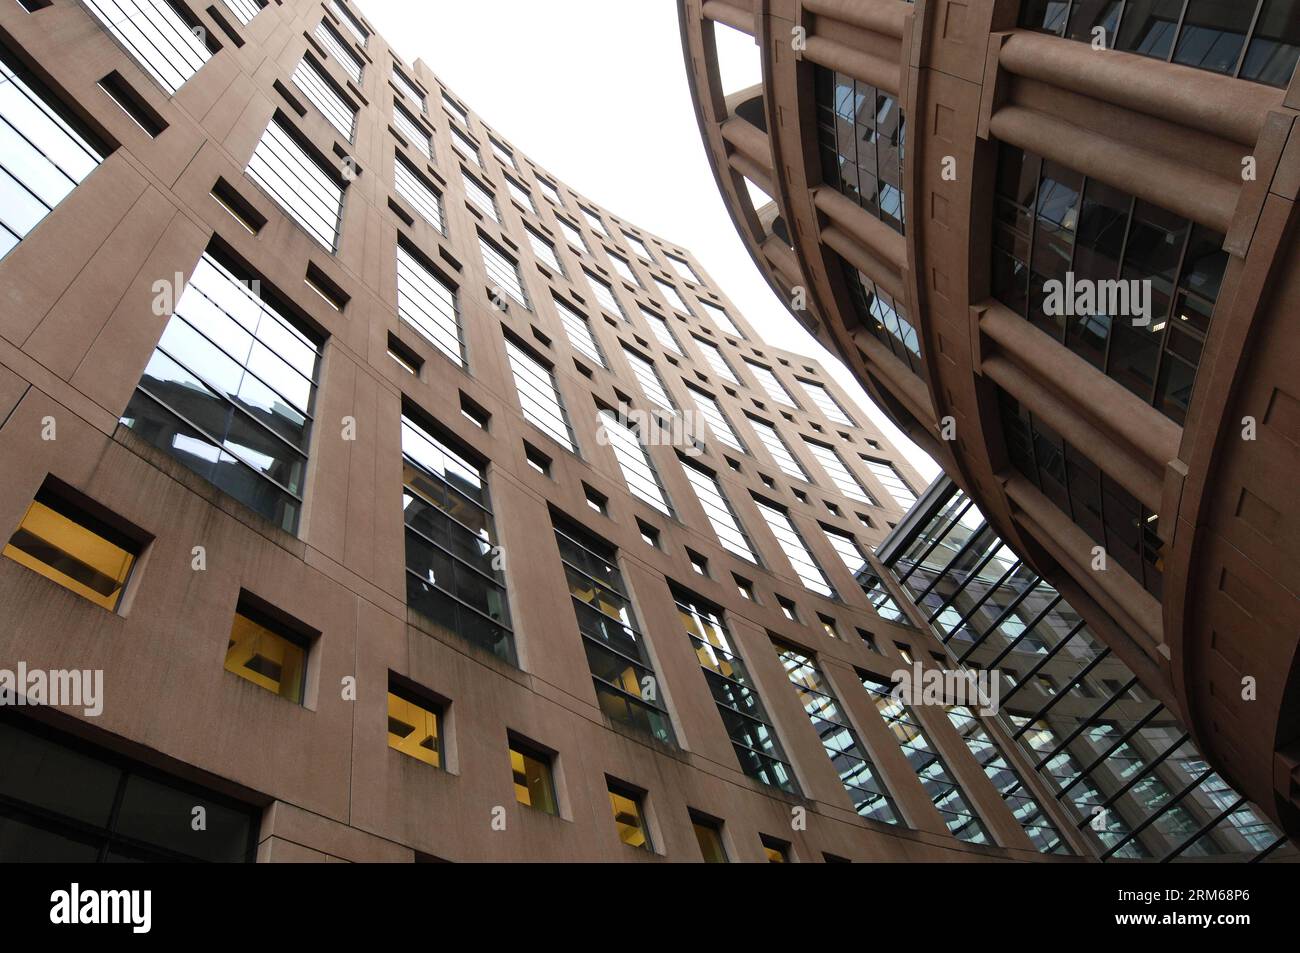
column 427, row 303
column 664, row 333
column 466, row 146
column 534, row 779
column 572, row 235
column 627, row 687
column 42, row 156
column 455, row 109
column 349, row 21
column 647, row 376
column 671, row 296
column 604, row 295
column 777, row 851
column 861, row 137
column 412, row 186
column 453, row 575
column 503, row 272
column 504, row 155
column 578, row 328
column 624, row 269
column 306, row 190
column 840, row 474
column 757, row 748
column 713, row 356
column 683, row 268
column 930, row 769
column 639, row 247
column 772, row 384
column 792, row 544
column 73, row 548
column 551, row 193
column 411, row 131
column 337, row 47
column 245, row 10
column 544, row 250
column 847, row 548
column 718, row 422
column 266, row 653
column 318, row 88
column 229, row 392
column 708, row 834
column 722, row 320
column 879, row 597
column 594, row 221
column 629, row 815
column 779, row 449
column 870, row 797
column 723, row 519
column 892, row 481
column 520, row 194
column 638, row 469
column 414, row 724
column 409, row 90
column 539, row 396
column 156, row 36
column 827, row 403
column 480, row 197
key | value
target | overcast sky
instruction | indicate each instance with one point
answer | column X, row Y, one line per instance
column 626, row 137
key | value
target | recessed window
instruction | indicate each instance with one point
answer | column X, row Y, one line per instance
column 578, row 330
column 892, row 481
column 868, row 640
column 427, row 303
column 698, row 562
column 411, row 131
column 521, row 195
column 633, row 460
column 338, row 48
column 671, row 296
column 745, row 587
column 414, row 724
column 708, row 834
column 320, row 90
column 624, row 269
column 828, row 625
column 594, row 221
column 156, row 36
column 779, row 449
column 539, row 395
column 572, row 235
column 767, row 480
column 662, row 331
column 68, row 545
column 800, row 495
column 716, row 361
column 777, row 851
column 596, row 500
column 833, row 509
column 604, row 295
column 245, row 10
column 905, row 651
column 412, row 186
column 503, row 272
column 840, row 475
column 480, row 197
column 827, row 404
column 409, row 90
column 721, row 319
column 683, row 268
column 306, row 190
column 788, row 608
column 628, row 806
column 349, row 21
column 537, row 460
column 534, row 781
column 718, row 510
column 406, row 358
column 474, row 413
column 504, row 155
column 544, row 250
column 264, row 651
column 796, row 550
column 649, row 534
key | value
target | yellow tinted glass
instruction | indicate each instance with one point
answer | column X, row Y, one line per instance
column 627, row 816
column 532, row 781
column 72, row 555
column 266, row 658
column 710, row 840
column 413, row 730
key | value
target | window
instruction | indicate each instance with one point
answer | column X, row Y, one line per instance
column 779, row 449
column 777, row 851
column 42, row 157
column 717, row 420
column 406, row 359
column 792, row 544
column 551, row 193
column 411, row 130
column 594, row 221
column 229, row 392
column 67, row 801
column 861, row 137
column 267, row 653
column 454, row 109
column 719, row 512
column 245, row 10
column 708, row 834
column 520, row 194
column 858, row 775
column 649, row 534
column 604, row 295
column 68, row 545
column 539, row 397
column 840, row 475
column 699, row 563
column 721, row 319
column 930, row 769
column 892, row 481
column 504, row 155
column 414, row 724
column 627, row 688
column 624, row 269
column 480, row 197
column 744, row 587
column 659, row 325
column 848, row 550
column 412, row 186
column 409, row 90
column 537, row 460
column 156, row 36
column 319, row 89
column 673, row 298
column 579, row 332
column 466, row 146
column 337, row 47
column 638, row 469
column 716, row 361
column 757, row 748
column 683, row 268
column 772, row 384
column 629, row 815
column 534, row 782
column 503, row 272
column 544, row 250
column 647, row 376
column 639, row 247
column 303, row 187
column 828, row 626
column 788, row 608
column 349, row 21
column 453, row 569
column 572, row 234
column 428, row 304
column 827, row 403
column 885, row 318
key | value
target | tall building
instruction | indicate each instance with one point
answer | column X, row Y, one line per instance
column 1053, row 240
column 398, row 502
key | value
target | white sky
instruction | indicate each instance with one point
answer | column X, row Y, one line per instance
column 628, row 138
